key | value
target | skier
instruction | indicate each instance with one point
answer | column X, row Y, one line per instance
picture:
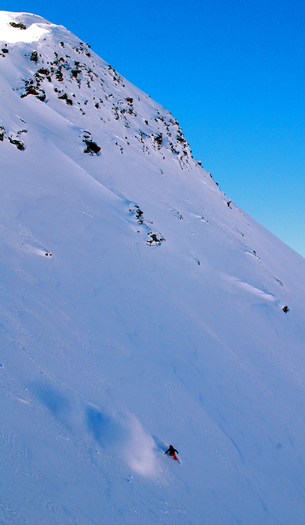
column 172, row 452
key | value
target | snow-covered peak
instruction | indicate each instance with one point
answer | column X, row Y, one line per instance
column 22, row 27
column 57, row 66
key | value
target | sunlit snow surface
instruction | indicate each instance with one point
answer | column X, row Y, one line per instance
column 139, row 307
column 36, row 30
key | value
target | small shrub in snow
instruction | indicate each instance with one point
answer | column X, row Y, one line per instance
column 158, row 140
column 42, row 96
column 59, row 75
column 19, row 145
column 153, row 240
column 34, row 56
column 138, row 213
column 75, row 72
column 92, row 147
column 30, row 90
column 42, row 71
column 64, row 96
column 19, row 25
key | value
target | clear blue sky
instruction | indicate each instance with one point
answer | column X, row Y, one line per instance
column 231, row 72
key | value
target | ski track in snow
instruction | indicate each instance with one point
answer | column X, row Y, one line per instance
column 255, row 291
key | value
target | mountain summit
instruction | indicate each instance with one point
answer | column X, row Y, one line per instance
column 140, row 307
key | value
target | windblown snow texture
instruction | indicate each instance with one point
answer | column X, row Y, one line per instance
column 139, row 307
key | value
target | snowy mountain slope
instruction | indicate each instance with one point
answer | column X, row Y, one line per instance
column 139, row 307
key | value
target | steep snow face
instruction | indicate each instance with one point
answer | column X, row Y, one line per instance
column 139, row 307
